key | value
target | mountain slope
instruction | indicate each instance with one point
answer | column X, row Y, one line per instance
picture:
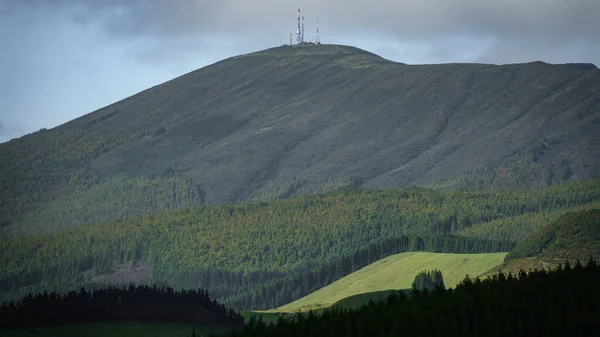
column 290, row 121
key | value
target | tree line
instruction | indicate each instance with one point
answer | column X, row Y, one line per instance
column 130, row 304
column 562, row 302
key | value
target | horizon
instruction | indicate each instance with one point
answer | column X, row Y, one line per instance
column 66, row 60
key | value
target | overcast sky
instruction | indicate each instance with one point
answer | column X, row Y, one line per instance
column 60, row 59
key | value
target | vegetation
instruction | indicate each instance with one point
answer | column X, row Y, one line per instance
column 288, row 122
column 393, row 273
column 573, row 236
column 429, row 280
column 119, row 329
column 128, row 304
column 47, row 183
column 527, row 264
column 360, row 300
column 515, row 228
column 288, row 249
column 563, row 302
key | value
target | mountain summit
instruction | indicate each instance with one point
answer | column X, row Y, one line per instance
column 298, row 120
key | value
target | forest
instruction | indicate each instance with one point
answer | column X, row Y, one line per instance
column 47, row 183
column 561, row 302
column 265, row 254
column 127, row 304
column 573, row 236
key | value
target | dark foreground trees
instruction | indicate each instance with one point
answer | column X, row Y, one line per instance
column 428, row 280
column 130, row 304
column 564, row 302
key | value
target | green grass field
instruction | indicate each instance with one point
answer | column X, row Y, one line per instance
column 113, row 330
column 396, row 272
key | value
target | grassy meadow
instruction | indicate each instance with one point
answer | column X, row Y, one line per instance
column 396, row 272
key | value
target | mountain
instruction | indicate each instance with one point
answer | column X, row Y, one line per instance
column 573, row 236
column 292, row 121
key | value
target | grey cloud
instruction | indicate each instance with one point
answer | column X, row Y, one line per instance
column 9, row 130
column 503, row 23
column 567, row 18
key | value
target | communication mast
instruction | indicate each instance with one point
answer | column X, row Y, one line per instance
column 318, row 41
column 298, row 33
column 302, row 29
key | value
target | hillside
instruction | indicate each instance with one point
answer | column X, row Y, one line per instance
column 265, row 254
column 294, row 121
column 394, row 273
column 573, row 236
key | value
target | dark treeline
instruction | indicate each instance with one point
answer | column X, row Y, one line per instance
column 563, row 302
column 131, row 304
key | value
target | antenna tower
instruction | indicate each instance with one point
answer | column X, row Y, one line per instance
column 318, row 41
column 290, row 39
column 302, row 29
column 298, row 36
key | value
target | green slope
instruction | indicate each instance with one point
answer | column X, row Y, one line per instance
column 396, row 272
column 573, row 236
column 295, row 121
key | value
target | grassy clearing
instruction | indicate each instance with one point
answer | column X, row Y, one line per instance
column 396, row 272
column 113, row 330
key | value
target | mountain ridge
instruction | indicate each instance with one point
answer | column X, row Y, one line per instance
column 292, row 121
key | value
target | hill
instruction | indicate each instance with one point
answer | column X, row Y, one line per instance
column 396, row 272
column 573, row 236
column 265, row 254
column 295, row 121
